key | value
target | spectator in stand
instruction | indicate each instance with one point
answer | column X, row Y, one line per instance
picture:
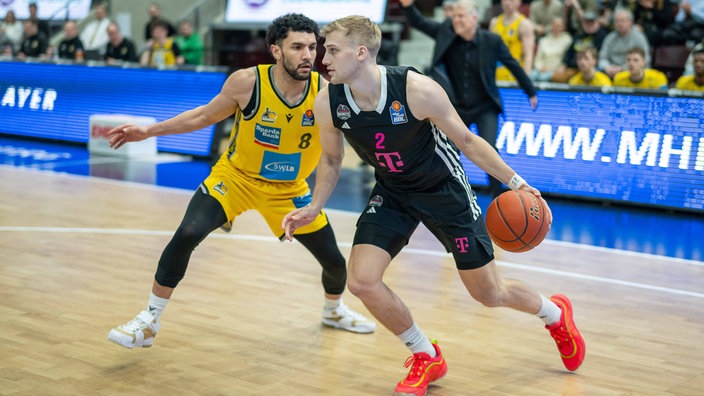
column 551, row 50
column 637, row 75
column 35, row 43
column 119, row 48
column 588, row 74
column 574, row 11
column 689, row 64
column 612, row 54
column 593, row 36
column 190, row 44
column 542, row 14
column 95, row 34
column 694, row 82
column 155, row 15
column 517, row 33
column 652, row 17
column 42, row 25
column 71, row 46
column 688, row 25
column 12, row 29
column 162, row 51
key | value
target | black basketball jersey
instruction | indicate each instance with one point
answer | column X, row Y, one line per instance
column 407, row 154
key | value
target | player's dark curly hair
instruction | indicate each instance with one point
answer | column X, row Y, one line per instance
column 279, row 28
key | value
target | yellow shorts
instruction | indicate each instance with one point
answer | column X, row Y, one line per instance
column 504, row 74
column 238, row 193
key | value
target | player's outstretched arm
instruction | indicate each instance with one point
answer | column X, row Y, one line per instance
column 235, row 92
column 328, row 171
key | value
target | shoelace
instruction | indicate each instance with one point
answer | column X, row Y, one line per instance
column 135, row 324
column 561, row 335
column 418, row 362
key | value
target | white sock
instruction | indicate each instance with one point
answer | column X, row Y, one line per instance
column 156, row 304
column 549, row 312
column 331, row 304
column 416, row 341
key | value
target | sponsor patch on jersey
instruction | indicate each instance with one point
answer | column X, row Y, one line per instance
column 267, row 136
column 343, row 112
column 398, row 113
column 221, row 188
column 277, row 166
column 268, row 116
column 308, row 118
column 302, row 200
column 376, row 200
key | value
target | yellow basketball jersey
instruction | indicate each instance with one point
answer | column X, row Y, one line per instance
column 652, row 79
column 272, row 140
column 599, row 80
column 511, row 37
column 163, row 55
column 687, row 83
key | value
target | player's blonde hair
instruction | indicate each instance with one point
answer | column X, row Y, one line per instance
column 360, row 28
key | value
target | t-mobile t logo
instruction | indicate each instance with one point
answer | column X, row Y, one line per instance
column 462, row 244
column 391, row 161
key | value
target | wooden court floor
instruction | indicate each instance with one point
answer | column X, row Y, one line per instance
column 77, row 257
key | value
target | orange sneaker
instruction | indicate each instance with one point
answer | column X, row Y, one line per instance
column 569, row 342
column 424, row 370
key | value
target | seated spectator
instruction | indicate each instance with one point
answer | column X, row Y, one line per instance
column 35, row 43
column 694, row 82
column 612, row 54
column 71, row 46
column 593, row 36
column 637, row 75
column 95, row 34
column 542, row 13
column 652, row 17
column 162, row 51
column 689, row 63
column 119, row 48
column 12, row 29
column 688, row 25
column 155, row 15
column 588, row 74
column 190, row 44
column 551, row 50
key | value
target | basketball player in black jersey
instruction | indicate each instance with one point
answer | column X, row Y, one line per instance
column 401, row 123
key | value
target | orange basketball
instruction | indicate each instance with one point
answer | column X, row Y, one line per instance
column 517, row 221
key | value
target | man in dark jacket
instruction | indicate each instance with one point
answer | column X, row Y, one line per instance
column 464, row 63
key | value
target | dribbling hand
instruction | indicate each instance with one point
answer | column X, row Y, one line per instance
column 126, row 133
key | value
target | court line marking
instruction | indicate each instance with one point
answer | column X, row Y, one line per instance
column 407, row 250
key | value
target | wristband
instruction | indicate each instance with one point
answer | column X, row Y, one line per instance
column 516, row 182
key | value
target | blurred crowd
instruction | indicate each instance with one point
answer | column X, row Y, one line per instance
column 101, row 39
column 604, row 42
column 652, row 44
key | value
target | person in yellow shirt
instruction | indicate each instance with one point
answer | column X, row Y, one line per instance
column 636, row 75
column 162, row 50
column 588, row 75
column 694, row 82
column 517, row 33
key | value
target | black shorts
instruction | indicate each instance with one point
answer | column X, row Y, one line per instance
column 449, row 210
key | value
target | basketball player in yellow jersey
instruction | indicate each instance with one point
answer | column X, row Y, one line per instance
column 275, row 146
column 517, row 33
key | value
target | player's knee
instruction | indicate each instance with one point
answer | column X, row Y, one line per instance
column 361, row 287
column 489, row 297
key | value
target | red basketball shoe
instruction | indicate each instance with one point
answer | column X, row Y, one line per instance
column 424, row 370
column 569, row 342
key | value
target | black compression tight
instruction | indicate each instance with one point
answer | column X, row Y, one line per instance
column 203, row 215
column 323, row 246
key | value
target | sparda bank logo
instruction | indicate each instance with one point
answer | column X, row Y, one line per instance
column 255, row 3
